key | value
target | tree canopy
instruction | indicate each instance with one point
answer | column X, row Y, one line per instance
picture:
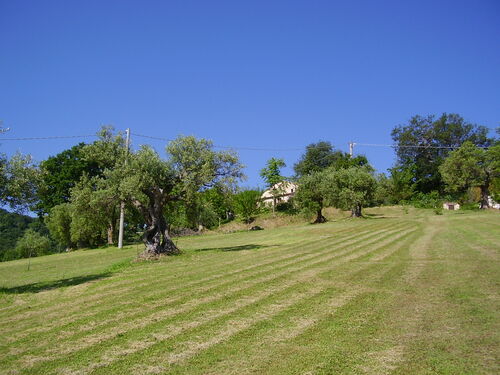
column 314, row 193
column 470, row 166
column 352, row 189
column 149, row 183
column 19, row 177
column 423, row 144
column 321, row 155
column 60, row 173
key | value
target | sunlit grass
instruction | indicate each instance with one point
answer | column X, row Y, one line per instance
column 395, row 292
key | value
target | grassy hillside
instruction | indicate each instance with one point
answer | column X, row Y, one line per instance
column 394, row 293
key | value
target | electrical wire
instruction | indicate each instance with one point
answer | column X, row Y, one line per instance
column 230, row 147
column 47, row 138
column 410, row 146
column 224, row 147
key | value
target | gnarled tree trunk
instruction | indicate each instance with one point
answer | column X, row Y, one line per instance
column 156, row 236
column 356, row 211
column 319, row 217
column 484, row 197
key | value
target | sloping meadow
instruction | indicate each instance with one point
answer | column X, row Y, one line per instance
column 393, row 293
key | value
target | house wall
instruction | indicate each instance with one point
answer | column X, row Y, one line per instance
column 287, row 191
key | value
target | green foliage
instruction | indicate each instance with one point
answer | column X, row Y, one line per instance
column 314, row 193
column 429, row 200
column 401, row 185
column 470, row 166
column 210, row 208
column 19, row 177
column 107, row 152
column 153, row 185
column 12, row 227
column 60, row 173
column 352, row 188
column 246, row 204
column 32, row 244
column 321, row 155
column 59, row 224
column 449, row 130
column 95, row 209
column 271, row 173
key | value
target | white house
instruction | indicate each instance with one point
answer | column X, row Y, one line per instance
column 451, row 206
column 279, row 193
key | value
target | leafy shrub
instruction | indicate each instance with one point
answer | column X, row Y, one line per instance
column 32, row 244
column 246, row 204
column 429, row 200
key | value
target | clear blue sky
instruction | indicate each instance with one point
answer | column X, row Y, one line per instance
column 265, row 74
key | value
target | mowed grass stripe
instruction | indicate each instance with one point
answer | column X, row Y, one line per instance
column 320, row 309
column 99, row 292
column 202, row 309
column 134, row 344
column 481, row 243
column 148, row 313
column 350, row 328
column 65, row 308
column 142, row 301
column 258, row 343
column 189, row 296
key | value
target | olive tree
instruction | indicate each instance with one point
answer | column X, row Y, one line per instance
column 19, row 178
column 352, row 189
column 314, row 193
column 149, row 183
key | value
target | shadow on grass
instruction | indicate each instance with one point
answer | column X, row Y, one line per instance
column 234, row 248
column 374, row 216
column 38, row 287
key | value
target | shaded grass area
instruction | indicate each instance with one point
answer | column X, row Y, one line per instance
column 411, row 294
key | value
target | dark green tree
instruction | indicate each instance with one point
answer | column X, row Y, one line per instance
column 424, row 143
column 321, row 155
column 59, row 174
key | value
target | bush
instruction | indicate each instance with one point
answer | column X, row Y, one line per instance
column 429, row 200
column 32, row 244
column 472, row 206
column 246, row 204
column 287, row 207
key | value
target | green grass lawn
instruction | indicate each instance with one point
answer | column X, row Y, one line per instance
column 394, row 293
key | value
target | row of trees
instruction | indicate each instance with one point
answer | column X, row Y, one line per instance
column 78, row 192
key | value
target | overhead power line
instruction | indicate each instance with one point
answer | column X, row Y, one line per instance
column 46, row 138
column 351, row 144
column 410, row 146
column 225, row 147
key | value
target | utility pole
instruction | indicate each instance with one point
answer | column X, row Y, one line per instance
column 122, row 204
column 351, row 148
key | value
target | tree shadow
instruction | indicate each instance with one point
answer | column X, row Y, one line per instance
column 39, row 287
column 374, row 216
column 234, row 248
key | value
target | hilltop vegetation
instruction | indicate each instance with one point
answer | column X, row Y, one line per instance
column 80, row 193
